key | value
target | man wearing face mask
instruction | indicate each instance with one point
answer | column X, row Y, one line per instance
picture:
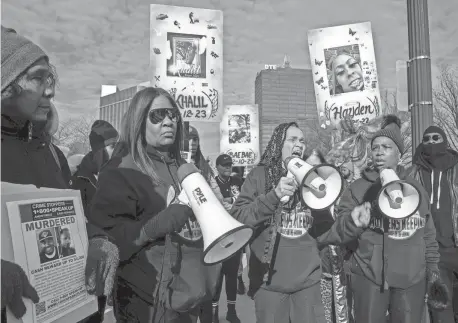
column 285, row 266
column 395, row 261
column 435, row 166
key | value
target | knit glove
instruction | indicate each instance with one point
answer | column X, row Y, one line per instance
column 102, row 263
column 16, row 285
column 438, row 294
column 172, row 219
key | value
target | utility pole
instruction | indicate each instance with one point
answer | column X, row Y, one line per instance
column 419, row 70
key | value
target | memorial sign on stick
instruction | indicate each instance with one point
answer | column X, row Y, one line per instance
column 240, row 134
column 187, row 59
column 344, row 74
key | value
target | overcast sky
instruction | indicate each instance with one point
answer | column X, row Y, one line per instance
column 107, row 41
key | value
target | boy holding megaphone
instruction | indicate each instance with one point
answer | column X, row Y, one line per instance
column 395, row 263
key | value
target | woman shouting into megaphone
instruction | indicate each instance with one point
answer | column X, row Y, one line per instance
column 285, row 266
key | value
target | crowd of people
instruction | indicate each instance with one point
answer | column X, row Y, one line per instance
column 145, row 258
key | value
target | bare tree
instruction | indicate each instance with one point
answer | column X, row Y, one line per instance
column 389, row 103
column 446, row 104
column 74, row 134
column 317, row 137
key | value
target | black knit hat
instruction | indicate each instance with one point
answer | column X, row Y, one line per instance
column 391, row 128
column 102, row 134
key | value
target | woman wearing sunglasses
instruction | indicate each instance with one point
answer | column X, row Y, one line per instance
column 161, row 277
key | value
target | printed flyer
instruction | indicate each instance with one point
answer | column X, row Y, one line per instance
column 187, row 59
column 344, row 74
column 240, row 134
column 49, row 241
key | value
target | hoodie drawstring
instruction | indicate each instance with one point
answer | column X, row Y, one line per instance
column 438, row 189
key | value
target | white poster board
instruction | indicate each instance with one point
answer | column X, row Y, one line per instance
column 240, row 134
column 186, row 57
column 31, row 216
column 344, row 74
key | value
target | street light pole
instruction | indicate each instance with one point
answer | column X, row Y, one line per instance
column 419, row 70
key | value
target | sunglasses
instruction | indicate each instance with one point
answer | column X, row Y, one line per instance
column 158, row 115
column 433, row 137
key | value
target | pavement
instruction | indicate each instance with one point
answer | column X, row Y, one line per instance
column 245, row 306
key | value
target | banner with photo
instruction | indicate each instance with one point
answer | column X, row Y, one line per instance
column 344, row 74
column 240, row 134
column 186, row 57
column 48, row 238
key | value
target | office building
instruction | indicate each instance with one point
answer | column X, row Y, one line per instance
column 284, row 94
column 114, row 105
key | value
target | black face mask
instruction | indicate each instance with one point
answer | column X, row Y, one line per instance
column 435, row 149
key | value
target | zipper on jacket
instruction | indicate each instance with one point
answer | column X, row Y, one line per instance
column 82, row 177
column 170, row 173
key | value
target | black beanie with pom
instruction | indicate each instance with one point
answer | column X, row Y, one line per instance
column 391, row 128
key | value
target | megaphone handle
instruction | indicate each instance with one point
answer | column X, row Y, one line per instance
column 188, row 225
column 285, row 199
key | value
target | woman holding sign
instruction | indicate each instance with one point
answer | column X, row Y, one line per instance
column 29, row 119
column 161, row 277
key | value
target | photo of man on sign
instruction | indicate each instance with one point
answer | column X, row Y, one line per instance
column 47, row 246
column 188, row 55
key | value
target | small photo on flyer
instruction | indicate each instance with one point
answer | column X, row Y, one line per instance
column 47, row 245
column 66, row 244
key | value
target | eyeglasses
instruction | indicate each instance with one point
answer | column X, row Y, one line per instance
column 427, row 138
column 158, row 115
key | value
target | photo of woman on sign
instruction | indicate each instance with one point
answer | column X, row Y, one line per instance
column 344, row 69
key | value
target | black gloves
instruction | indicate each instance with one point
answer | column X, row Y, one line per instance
column 101, row 265
column 438, row 294
column 16, row 285
column 172, row 219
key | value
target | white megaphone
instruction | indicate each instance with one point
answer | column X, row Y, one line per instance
column 320, row 186
column 397, row 199
column 223, row 235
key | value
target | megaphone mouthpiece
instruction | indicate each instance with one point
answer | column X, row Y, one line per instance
column 287, row 161
column 185, row 170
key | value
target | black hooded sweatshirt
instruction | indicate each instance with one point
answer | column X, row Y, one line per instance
column 36, row 161
column 399, row 256
column 439, row 180
column 85, row 181
column 125, row 200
